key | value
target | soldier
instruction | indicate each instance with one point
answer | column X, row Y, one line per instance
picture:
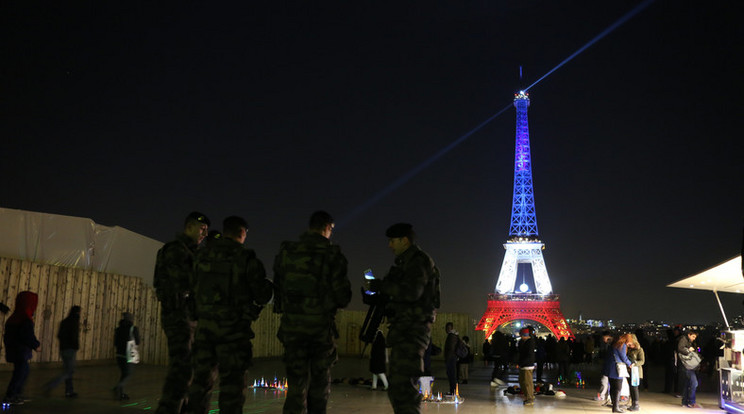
column 173, row 271
column 229, row 286
column 310, row 286
column 412, row 290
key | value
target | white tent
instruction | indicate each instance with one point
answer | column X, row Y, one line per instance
column 76, row 242
column 725, row 277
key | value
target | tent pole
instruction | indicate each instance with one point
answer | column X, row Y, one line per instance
column 715, row 292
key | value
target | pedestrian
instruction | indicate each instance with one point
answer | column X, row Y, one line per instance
column 684, row 348
column 229, row 288
column 605, row 352
column 500, row 357
column 378, row 361
column 486, row 350
column 637, row 356
column 19, row 341
column 526, row 363
column 616, row 368
column 646, row 346
column 412, row 291
column 123, row 335
column 588, row 349
column 463, row 364
column 563, row 358
column 173, row 271
column 451, row 344
column 69, row 343
column 310, row 285
column 540, row 357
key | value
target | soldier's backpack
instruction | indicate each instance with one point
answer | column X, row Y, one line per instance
column 216, row 274
column 306, row 302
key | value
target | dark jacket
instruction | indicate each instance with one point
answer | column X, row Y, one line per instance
column 526, row 353
column 122, row 335
column 19, row 336
column 450, row 345
column 412, row 289
column 310, row 285
column 377, row 355
column 69, row 330
column 173, row 271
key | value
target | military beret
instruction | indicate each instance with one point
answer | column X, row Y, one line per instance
column 197, row 216
column 400, row 230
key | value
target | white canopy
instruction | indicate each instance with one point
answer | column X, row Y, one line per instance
column 76, row 242
column 725, row 277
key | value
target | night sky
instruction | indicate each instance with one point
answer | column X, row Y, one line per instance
column 135, row 114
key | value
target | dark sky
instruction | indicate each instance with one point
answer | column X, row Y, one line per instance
column 134, row 114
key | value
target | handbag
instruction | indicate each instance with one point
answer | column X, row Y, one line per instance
column 635, row 377
column 691, row 360
column 624, row 388
column 622, row 370
column 133, row 356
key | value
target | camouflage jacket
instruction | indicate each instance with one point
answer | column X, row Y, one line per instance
column 229, row 283
column 310, row 284
column 173, row 270
column 412, row 287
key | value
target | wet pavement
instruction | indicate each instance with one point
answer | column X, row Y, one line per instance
column 94, row 383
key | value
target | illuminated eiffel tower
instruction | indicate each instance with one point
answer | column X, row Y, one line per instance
column 523, row 247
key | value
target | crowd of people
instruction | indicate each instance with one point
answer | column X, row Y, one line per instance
column 211, row 289
column 624, row 362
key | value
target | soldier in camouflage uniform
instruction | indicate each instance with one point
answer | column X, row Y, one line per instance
column 310, row 285
column 412, row 291
column 229, row 289
column 173, row 271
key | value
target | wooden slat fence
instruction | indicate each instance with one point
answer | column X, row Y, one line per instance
column 104, row 296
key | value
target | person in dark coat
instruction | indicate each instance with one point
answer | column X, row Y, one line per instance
column 122, row 335
column 450, row 358
column 562, row 357
column 526, row 364
column 69, row 343
column 174, row 268
column 689, row 387
column 412, row 289
column 19, row 341
column 311, row 285
column 463, row 364
column 378, row 361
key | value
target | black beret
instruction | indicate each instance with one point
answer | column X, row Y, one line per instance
column 197, row 216
column 400, row 230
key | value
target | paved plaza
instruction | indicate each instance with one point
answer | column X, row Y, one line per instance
column 94, row 384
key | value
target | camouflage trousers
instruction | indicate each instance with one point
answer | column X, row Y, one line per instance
column 227, row 352
column 408, row 344
column 180, row 334
column 308, row 366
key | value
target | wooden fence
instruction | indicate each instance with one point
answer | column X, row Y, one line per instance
column 104, row 296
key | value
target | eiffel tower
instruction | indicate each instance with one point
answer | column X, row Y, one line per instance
column 523, row 247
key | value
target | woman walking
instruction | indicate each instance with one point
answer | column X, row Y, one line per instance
column 19, row 342
column 123, row 334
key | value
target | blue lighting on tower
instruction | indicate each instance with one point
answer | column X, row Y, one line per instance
column 523, row 218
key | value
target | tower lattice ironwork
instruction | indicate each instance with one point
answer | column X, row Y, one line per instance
column 523, row 246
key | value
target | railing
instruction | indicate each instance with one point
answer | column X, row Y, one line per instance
column 523, row 296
